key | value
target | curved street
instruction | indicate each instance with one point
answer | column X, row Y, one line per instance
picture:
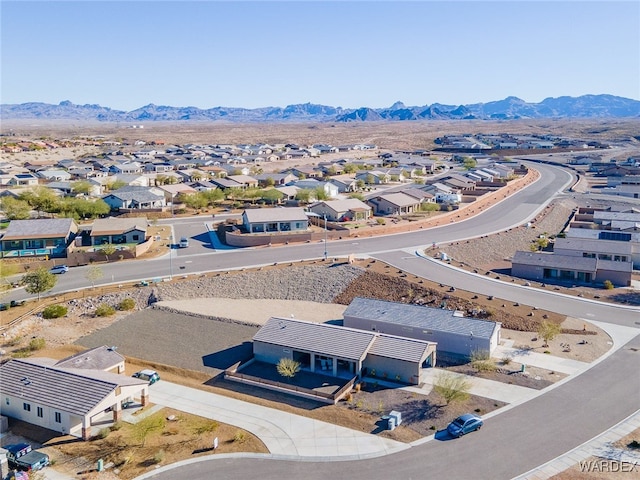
column 511, row 443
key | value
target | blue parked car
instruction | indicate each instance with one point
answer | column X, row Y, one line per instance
column 464, row 424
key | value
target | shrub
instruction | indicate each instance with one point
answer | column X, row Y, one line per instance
column 127, row 304
column 105, row 310
column 158, row 457
column 506, row 359
column 484, row 366
column 54, row 311
column 103, row 433
column 207, row 427
column 608, row 285
column 478, row 355
column 380, row 221
column 239, row 437
column 37, row 344
column 116, row 426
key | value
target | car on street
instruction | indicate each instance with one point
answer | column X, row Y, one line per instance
column 464, row 424
column 59, row 269
column 150, row 376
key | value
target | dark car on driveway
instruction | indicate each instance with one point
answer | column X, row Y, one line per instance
column 464, row 424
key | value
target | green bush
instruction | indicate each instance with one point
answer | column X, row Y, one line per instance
column 105, row 310
column 37, row 344
column 54, row 311
column 127, row 304
column 608, row 285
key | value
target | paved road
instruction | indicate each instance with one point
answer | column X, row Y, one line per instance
column 515, row 210
column 511, row 443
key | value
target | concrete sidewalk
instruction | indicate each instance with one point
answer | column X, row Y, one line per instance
column 600, row 447
column 481, row 387
column 283, row 433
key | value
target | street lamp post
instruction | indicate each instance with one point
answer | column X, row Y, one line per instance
column 325, row 237
column 171, row 259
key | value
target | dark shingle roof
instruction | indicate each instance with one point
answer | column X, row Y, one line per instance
column 39, row 228
column 436, row 319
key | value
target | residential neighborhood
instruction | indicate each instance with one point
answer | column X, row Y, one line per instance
column 113, row 210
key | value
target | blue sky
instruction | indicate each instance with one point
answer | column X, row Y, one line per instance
column 127, row 54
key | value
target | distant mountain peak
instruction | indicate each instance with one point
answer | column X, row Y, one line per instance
column 511, row 107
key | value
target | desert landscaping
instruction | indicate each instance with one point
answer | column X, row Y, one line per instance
column 221, row 311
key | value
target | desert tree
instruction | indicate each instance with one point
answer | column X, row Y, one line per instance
column 548, row 331
column 108, row 249
column 14, row 208
column 94, row 274
column 39, row 281
column 452, row 388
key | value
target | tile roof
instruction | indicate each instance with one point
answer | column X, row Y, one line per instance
column 436, row 319
column 118, row 225
column 69, row 390
column 290, row 214
column 401, row 348
column 99, row 358
column 321, row 338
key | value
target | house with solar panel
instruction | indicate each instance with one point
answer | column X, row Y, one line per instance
column 457, row 336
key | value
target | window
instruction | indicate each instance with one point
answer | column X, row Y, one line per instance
column 39, row 412
column 58, row 417
column 26, row 407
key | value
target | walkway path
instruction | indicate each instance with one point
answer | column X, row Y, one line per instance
column 282, row 433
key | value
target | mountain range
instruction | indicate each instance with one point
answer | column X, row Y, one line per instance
column 585, row 106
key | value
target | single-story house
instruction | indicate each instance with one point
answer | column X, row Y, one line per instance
column 373, row 177
column 225, row 183
column 457, row 336
column 559, row 267
column 345, row 183
column 340, row 351
column 172, row 192
column 328, row 188
column 118, row 230
column 397, row 203
column 245, row 181
column 264, row 179
column 54, row 175
column 135, row 197
column 350, row 209
column 102, row 358
column 271, row 220
column 63, row 398
column 46, row 236
column 23, row 180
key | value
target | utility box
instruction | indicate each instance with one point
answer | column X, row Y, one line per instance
column 391, row 423
column 397, row 417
